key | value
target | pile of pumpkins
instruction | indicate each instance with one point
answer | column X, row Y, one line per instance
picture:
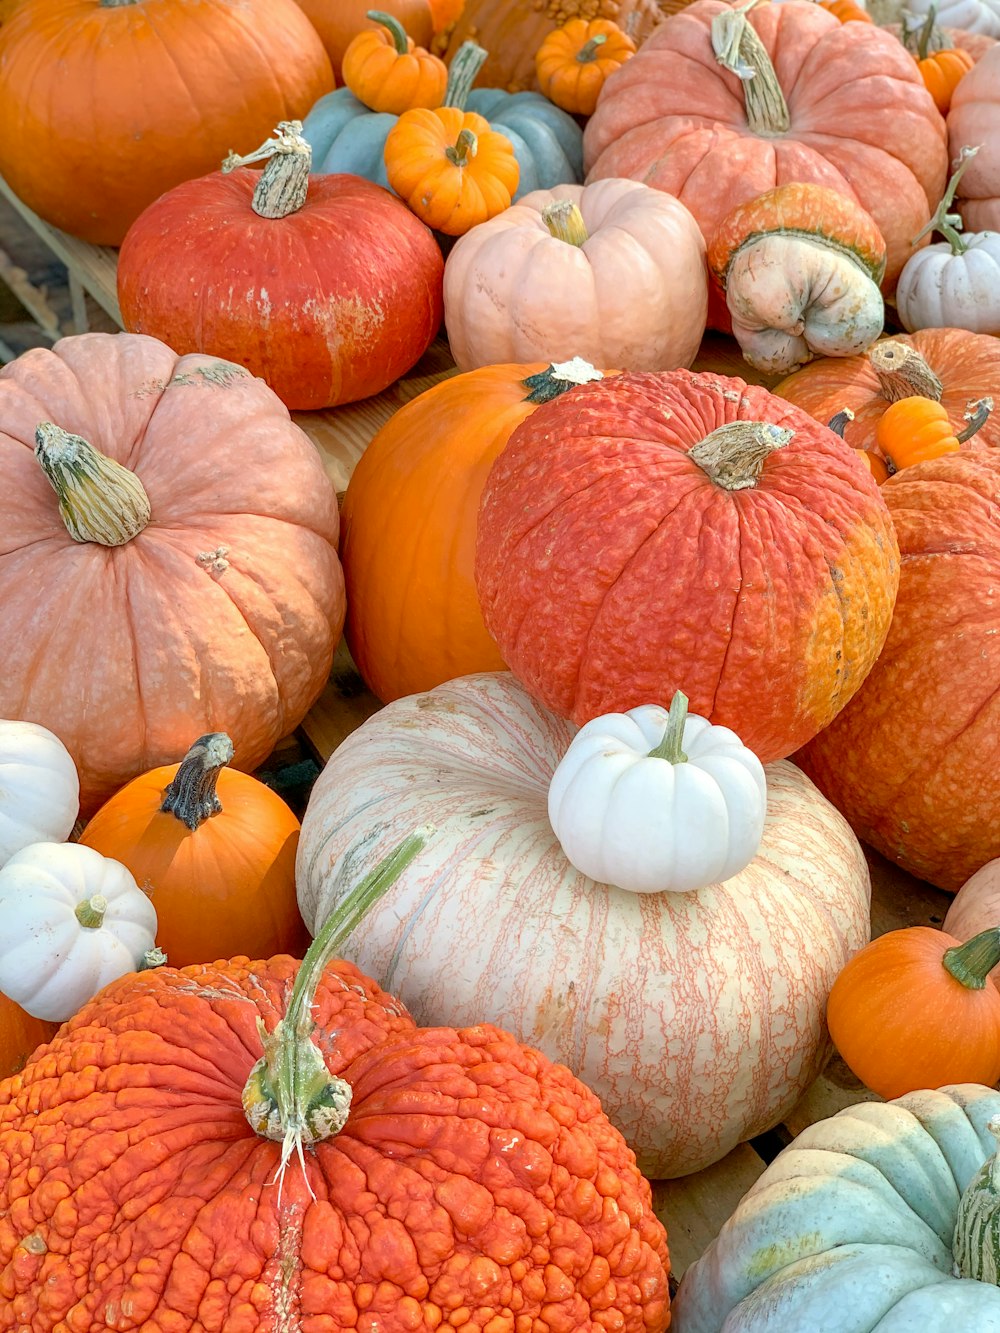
column 657, row 650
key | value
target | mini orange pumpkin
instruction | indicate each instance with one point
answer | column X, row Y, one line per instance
column 215, row 851
column 846, row 10
column 915, row 429
column 450, row 167
column 574, row 61
column 386, row 70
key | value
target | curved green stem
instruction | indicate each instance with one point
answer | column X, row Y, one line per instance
column 191, row 796
column 466, row 64
column 589, row 50
column 400, row 40
column 670, row 747
column 466, row 147
column 972, row 963
column 950, row 224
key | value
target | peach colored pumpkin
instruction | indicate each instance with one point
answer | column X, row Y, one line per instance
column 697, row 1018
column 976, row 906
column 974, row 119
column 612, row 272
column 850, row 111
column 218, row 605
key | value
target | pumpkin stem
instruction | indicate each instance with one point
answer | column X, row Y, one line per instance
column 466, row 64
column 90, row 913
column 902, row 372
column 738, row 49
column 565, row 222
column 950, row 224
column 972, row 963
column 290, row 1095
column 670, row 747
column 191, row 796
column 99, row 500
column 466, row 147
column 976, row 1243
column 152, row 958
column 925, row 32
column 919, row 34
column 589, row 50
column 838, row 423
column 284, row 182
column 977, row 414
column 558, row 378
column 115, row 4
column 733, row 456
column 397, row 32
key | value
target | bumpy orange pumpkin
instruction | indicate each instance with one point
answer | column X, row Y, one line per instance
column 215, row 851
column 573, row 62
column 364, row 1173
column 386, row 71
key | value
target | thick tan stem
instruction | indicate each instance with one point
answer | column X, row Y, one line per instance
column 733, row 456
column 902, row 372
column 99, row 500
column 738, row 49
column 284, row 182
column 191, row 796
column 565, row 222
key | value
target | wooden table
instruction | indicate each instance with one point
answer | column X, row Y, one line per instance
column 695, row 1207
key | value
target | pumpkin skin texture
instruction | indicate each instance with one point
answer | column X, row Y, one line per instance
column 856, row 1214
column 339, row 21
column 974, row 119
column 329, row 304
column 860, row 121
column 924, row 789
column 613, row 570
column 965, row 365
column 228, row 880
column 471, row 1172
column 39, row 788
column 105, row 107
column 222, row 614
column 492, row 920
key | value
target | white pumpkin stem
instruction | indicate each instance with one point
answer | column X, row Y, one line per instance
column 151, row 959
column 902, row 372
column 558, row 378
column 290, row 1095
column 99, row 500
column 976, row 1243
column 738, row 49
column 733, row 456
column 396, row 30
column 466, row 64
column 466, row 147
column 977, row 414
column 565, row 222
column 284, row 182
column 950, row 224
column 671, row 746
column 90, row 913
column 191, row 796
column 590, row 49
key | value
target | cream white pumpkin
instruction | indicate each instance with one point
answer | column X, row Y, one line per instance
column 71, row 921
column 39, row 788
column 852, row 1228
column 697, row 1018
column 612, row 272
column 652, row 801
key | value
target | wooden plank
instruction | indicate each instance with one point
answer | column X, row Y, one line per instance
column 342, row 707
column 694, row 1208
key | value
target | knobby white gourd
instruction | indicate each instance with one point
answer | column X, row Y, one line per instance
column 71, row 921
column 652, row 801
column 39, row 788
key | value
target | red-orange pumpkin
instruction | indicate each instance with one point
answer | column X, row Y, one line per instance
column 327, row 287
column 654, row 532
column 911, row 761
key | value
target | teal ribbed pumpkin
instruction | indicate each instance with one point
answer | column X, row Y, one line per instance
column 345, row 136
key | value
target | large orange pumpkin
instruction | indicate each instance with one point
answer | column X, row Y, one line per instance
column 443, row 1179
column 831, row 103
column 408, row 539
column 655, row 532
column 20, row 1034
column 107, row 103
column 952, row 366
column 911, row 761
column 215, row 851
column 338, row 22
column 168, row 564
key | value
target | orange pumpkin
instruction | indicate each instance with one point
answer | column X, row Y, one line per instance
column 338, row 22
column 846, row 10
column 215, row 851
column 941, row 67
column 106, row 105
column 445, row 14
column 914, row 1009
column 953, row 366
column 409, row 528
column 573, row 62
column 388, row 73
column 20, row 1034
column 915, row 429
column 450, row 167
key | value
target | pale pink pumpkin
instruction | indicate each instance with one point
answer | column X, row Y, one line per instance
column 697, row 1018
column 976, row 906
column 219, row 613
column 974, row 121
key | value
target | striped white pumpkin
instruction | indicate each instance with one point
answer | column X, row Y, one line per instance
column 697, row 1018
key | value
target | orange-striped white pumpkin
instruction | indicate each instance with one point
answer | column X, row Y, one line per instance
column 697, row 1018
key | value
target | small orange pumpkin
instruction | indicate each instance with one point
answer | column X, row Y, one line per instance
column 942, row 72
column 215, row 851
column 914, row 1009
column 914, row 429
column 846, row 10
column 450, row 167
column 573, row 62
column 874, row 462
column 385, row 69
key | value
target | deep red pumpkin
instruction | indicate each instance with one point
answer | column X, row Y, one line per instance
column 328, row 304
column 617, row 563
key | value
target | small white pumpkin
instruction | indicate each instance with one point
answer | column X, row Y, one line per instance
column 954, row 284
column 71, row 921
column 651, row 802
column 39, row 788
